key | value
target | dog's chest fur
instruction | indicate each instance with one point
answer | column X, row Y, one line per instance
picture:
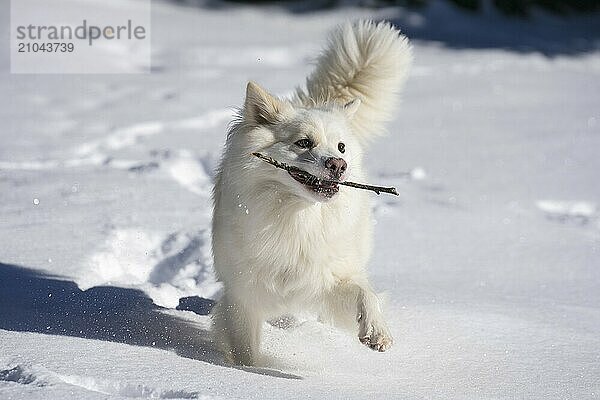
column 298, row 251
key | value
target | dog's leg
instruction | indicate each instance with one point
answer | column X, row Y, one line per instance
column 358, row 301
column 237, row 331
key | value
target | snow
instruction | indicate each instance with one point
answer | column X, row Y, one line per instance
column 489, row 258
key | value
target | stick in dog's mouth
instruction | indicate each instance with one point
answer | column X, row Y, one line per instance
column 307, row 178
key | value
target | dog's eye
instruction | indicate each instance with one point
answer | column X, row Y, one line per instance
column 341, row 147
column 305, row 143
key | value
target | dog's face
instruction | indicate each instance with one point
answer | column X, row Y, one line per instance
column 315, row 140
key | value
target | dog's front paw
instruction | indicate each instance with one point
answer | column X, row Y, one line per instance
column 374, row 335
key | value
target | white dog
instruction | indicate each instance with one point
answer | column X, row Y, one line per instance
column 282, row 243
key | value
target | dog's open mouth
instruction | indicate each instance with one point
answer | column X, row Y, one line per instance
column 320, row 186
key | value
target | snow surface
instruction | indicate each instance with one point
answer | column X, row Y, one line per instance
column 490, row 257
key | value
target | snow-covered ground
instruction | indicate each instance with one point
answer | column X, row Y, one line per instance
column 490, row 257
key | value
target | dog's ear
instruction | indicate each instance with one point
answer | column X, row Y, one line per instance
column 351, row 107
column 262, row 108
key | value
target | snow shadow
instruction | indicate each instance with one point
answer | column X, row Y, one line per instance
column 542, row 32
column 32, row 301
column 445, row 23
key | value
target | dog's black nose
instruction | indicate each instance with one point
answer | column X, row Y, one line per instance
column 337, row 166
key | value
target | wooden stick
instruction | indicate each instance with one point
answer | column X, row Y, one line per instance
column 376, row 189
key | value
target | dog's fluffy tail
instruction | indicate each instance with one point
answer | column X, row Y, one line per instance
column 364, row 60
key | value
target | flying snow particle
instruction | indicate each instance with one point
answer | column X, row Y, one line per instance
column 418, row 174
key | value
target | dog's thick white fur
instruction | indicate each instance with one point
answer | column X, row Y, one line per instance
column 282, row 244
